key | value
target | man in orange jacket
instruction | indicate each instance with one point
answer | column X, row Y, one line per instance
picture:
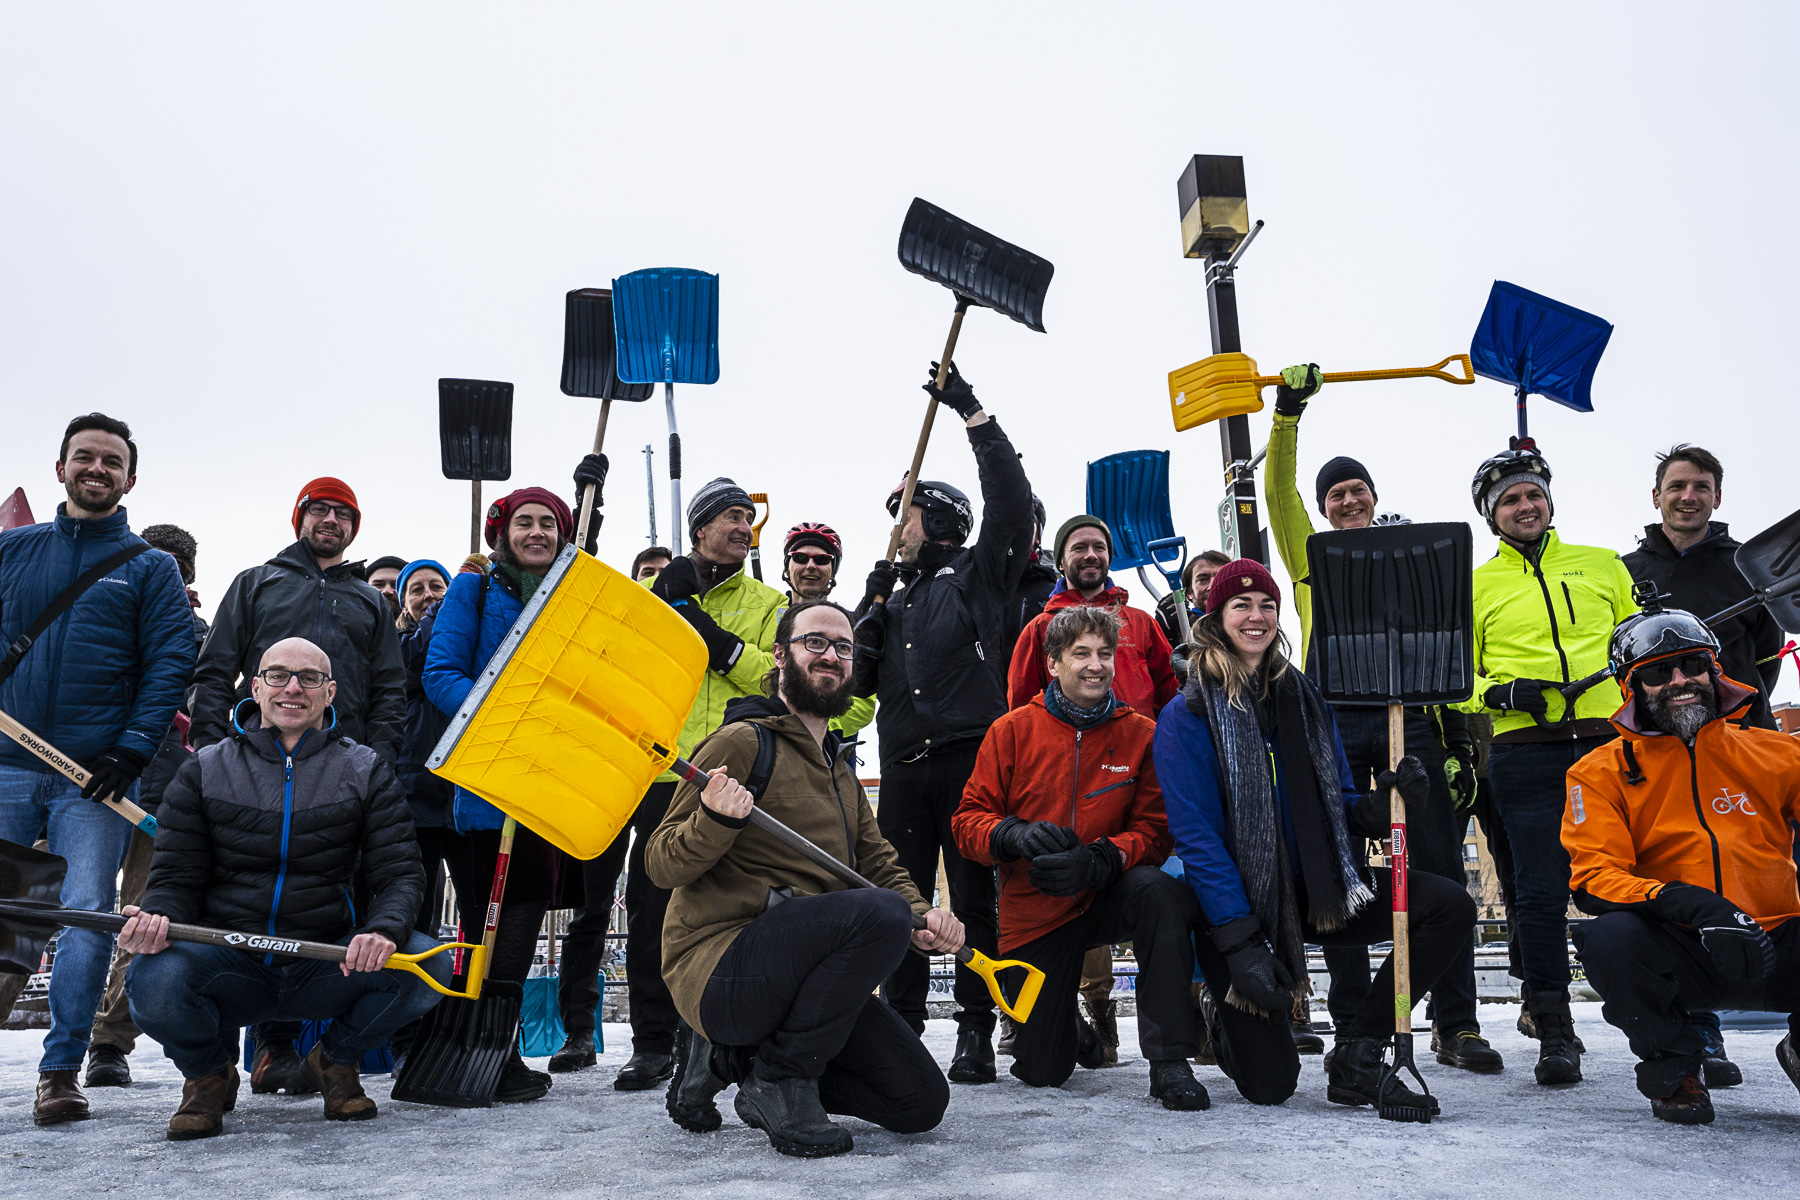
column 1680, row 842
column 1064, row 800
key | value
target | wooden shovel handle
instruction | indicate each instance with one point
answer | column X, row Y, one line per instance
column 918, row 458
column 587, row 493
column 74, row 772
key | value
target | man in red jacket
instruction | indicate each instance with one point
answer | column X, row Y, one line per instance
column 1064, row 800
column 1143, row 679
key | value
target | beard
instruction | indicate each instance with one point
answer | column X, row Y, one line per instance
column 810, row 699
column 77, row 500
column 324, row 543
column 1686, row 720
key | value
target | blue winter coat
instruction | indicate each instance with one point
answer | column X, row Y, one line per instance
column 458, row 652
column 112, row 670
column 1193, row 784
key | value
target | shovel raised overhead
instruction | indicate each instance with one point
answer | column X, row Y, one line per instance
column 1538, row 346
column 1227, row 385
column 475, row 438
column 591, row 368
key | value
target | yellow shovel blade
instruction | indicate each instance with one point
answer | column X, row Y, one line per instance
column 989, row 969
column 475, row 973
column 1219, row 386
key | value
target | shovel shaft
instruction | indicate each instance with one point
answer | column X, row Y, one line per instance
column 587, row 493
column 761, row 498
column 490, row 930
column 475, row 516
column 1435, row 371
column 674, row 469
column 1397, row 859
column 918, row 458
column 74, row 772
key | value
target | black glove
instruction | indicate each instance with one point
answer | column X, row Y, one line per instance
column 957, row 393
column 871, row 645
column 1739, row 947
column 1016, row 838
column 722, row 647
column 882, row 581
column 1459, row 773
column 677, row 580
column 1256, row 974
column 1178, row 663
column 1521, row 695
column 113, row 772
column 1372, row 816
column 591, row 469
column 1297, row 386
column 1083, row 869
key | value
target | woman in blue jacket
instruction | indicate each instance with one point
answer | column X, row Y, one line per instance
column 1269, row 829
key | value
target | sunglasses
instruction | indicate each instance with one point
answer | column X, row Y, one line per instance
column 1658, row 674
column 805, row 559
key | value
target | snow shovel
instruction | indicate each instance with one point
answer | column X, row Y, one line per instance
column 666, row 329
column 591, row 368
column 979, row 269
column 30, row 907
column 475, row 438
column 761, row 498
column 1539, row 345
column 1227, row 385
column 1393, row 619
column 74, row 772
column 1130, row 492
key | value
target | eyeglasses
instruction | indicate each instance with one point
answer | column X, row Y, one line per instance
column 277, row 678
column 318, row 508
column 1695, row 666
column 818, row 643
column 805, row 559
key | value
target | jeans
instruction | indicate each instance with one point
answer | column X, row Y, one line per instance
column 1530, row 791
column 112, row 1024
column 92, row 839
column 917, row 801
column 193, row 999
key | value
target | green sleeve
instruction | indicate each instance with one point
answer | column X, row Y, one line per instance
column 1622, row 583
column 757, row 658
column 862, row 711
column 1289, row 521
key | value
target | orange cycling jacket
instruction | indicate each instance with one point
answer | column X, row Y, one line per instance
column 1647, row 809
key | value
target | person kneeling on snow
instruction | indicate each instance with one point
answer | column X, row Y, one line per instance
column 772, row 957
column 263, row 833
column 1266, row 819
column 1064, row 800
column 1681, row 843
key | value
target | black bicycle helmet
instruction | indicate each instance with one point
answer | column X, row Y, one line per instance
column 1522, row 464
column 948, row 515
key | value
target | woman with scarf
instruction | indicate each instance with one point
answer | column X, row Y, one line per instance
column 1269, row 829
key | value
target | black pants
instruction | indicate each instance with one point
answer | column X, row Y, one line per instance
column 1659, row 984
column 796, row 984
column 521, row 914
column 1259, row 1054
column 1157, row 913
column 1436, row 833
column 917, row 801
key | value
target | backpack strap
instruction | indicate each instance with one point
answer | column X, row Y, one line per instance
column 764, row 766
column 1634, row 775
column 64, row 601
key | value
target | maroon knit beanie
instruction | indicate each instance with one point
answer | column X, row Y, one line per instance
column 1244, row 575
column 501, row 511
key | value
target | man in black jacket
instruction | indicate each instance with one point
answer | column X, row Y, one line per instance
column 935, row 655
column 262, row 833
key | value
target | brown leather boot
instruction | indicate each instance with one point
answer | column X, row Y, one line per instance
column 59, row 1099
column 342, row 1085
column 204, row 1103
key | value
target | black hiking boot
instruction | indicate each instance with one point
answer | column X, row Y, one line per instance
column 1206, row 1019
column 577, row 1053
column 1559, row 1056
column 789, row 1111
column 277, row 1068
column 1172, row 1081
column 1009, row 1029
column 1306, row 1039
column 642, row 1072
column 1467, row 1050
column 1528, row 1027
column 1789, row 1058
column 1688, row 1104
column 1089, row 1052
column 691, row 1091
column 1105, row 1017
column 107, row 1067
column 1716, row 1069
column 1356, row 1078
column 973, row 1061
column 519, row 1083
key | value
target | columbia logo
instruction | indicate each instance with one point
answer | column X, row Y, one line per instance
column 1111, row 767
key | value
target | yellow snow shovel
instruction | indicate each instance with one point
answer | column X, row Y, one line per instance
column 1227, row 385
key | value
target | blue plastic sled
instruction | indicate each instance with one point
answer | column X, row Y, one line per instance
column 1538, row 346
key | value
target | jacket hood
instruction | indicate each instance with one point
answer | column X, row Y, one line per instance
column 1656, row 543
column 246, row 722
column 773, row 708
column 1733, row 697
column 299, row 557
column 1111, row 596
column 111, row 525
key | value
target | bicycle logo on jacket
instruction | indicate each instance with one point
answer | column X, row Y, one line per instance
column 1725, row 802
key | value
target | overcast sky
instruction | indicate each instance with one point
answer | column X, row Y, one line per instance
column 260, row 233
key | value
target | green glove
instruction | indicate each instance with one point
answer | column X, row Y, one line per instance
column 1459, row 773
column 1298, row 385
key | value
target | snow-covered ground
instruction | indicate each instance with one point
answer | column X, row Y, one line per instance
column 1098, row 1137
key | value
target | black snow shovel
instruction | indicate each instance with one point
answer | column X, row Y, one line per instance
column 475, row 436
column 591, row 368
column 979, row 269
column 1393, row 619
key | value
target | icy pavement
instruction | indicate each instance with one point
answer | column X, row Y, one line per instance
column 1097, row 1137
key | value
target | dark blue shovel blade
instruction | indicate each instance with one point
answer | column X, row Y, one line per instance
column 1539, row 344
column 1130, row 492
column 666, row 326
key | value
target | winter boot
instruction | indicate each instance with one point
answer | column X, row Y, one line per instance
column 1306, row 1039
column 1337, row 1043
column 1356, row 1077
column 1528, row 1027
column 577, row 1053
column 1789, row 1058
column 1206, row 1020
column 1717, row 1070
column 691, row 1091
column 642, row 1072
column 973, row 1061
column 1105, row 1017
column 789, row 1111
column 277, row 1068
column 342, row 1085
column 204, row 1103
column 59, row 1099
column 519, row 1083
column 1172, row 1081
column 1467, row 1049
column 1009, row 1029
column 1089, row 1051
column 1688, row 1104
column 107, row 1067
column 1559, row 1060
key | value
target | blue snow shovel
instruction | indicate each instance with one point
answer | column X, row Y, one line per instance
column 1538, row 345
column 666, row 330
column 1130, row 492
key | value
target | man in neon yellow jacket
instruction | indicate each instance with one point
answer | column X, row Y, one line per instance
column 1544, row 615
column 1345, row 493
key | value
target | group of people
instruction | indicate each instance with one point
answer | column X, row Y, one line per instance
column 1082, row 774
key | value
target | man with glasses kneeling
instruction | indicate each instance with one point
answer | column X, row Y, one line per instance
column 262, row 833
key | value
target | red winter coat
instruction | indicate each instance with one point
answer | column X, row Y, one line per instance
column 1100, row 782
column 1143, row 677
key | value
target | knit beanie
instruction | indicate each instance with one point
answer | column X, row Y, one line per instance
column 384, row 562
column 1338, row 470
column 334, row 491
column 1234, row 578
column 501, row 511
column 429, row 564
column 714, row 498
column 1080, row 521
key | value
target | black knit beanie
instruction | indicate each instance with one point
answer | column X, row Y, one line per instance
column 1338, row 470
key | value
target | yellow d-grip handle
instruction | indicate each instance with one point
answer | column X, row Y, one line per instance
column 761, row 498
column 475, row 974
column 989, row 970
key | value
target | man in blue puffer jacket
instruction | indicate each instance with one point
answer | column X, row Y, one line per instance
column 101, row 684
